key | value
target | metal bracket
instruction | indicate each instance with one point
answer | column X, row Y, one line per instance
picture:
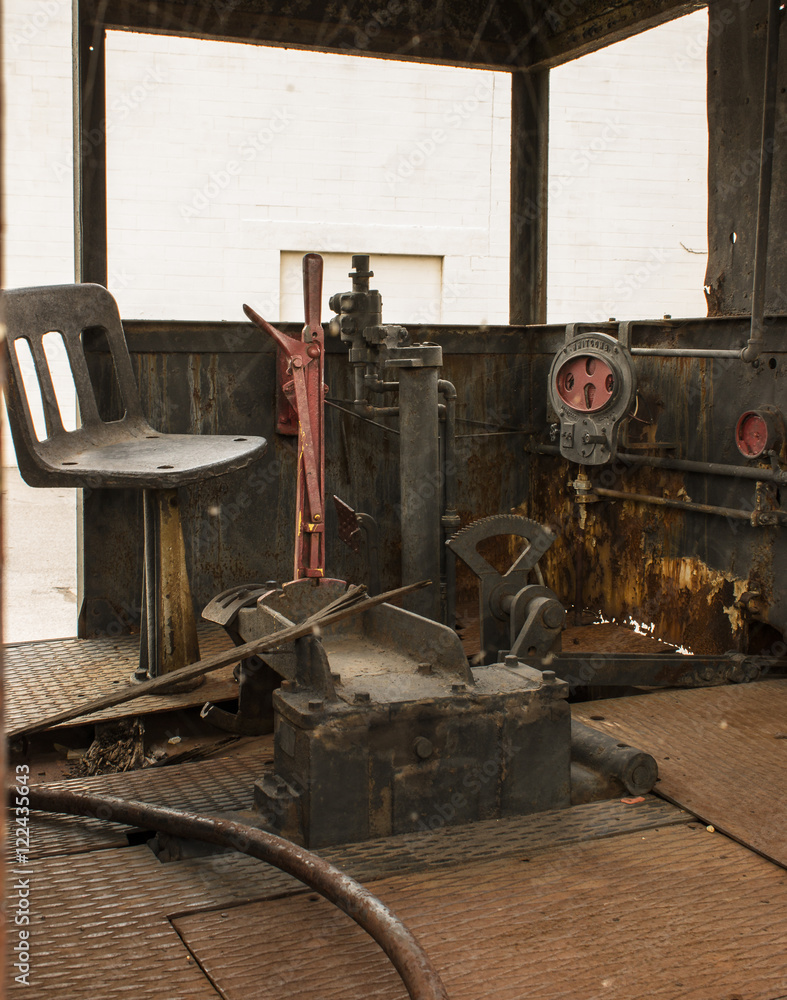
column 498, row 592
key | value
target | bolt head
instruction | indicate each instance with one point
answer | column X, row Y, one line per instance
column 553, row 615
column 315, row 704
column 362, row 696
column 423, row 747
column 459, row 688
column 548, row 676
column 424, row 668
column 511, row 660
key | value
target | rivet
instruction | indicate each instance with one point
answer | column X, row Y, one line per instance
column 423, row 747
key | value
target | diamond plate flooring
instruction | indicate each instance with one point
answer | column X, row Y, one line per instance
column 42, row 678
column 642, row 915
column 209, row 786
column 102, row 919
column 721, row 752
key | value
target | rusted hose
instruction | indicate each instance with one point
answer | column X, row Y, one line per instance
column 407, row 956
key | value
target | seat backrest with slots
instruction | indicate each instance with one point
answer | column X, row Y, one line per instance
column 71, row 310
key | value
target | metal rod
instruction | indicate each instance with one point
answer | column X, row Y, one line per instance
column 450, row 519
column 148, row 647
column 600, row 752
column 397, row 941
column 685, row 352
column 683, row 465
column 351, row 603
column 752, row 349
column 359, row 416
column 701, row 508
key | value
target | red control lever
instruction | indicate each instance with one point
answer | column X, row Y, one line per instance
column 305, row 391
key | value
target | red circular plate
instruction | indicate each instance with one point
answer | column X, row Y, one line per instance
column 751, row 434
column 585, row 383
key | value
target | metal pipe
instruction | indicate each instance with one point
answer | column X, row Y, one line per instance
column 450, row 520
column 685, row 352
column 752, row 349
column 359, row 372
column 376, row 384
column 635, row 769
column 420, row 474
column 150, row 625
column 683, row 465
column 700, row 508
column 399, row 944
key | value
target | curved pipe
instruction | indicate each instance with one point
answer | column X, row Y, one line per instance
column 408, row 958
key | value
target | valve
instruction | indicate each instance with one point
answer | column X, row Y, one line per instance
column 759, row 431
column 592, row 384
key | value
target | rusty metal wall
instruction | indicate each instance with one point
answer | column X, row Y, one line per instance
column 684, row 571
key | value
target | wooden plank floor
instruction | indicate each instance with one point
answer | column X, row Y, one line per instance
column 721, row 752
column 656, row 914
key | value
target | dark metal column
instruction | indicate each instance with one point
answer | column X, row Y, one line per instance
column 529, row 138
column 90, row 161
column 90, row 264
column 420, row 474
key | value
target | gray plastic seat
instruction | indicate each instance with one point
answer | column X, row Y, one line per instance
column 121, row 453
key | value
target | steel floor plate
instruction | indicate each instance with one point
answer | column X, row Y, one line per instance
column 46, row 677
column 721, row 752
column 208, row 786
column 101, row 921
column 652, row 914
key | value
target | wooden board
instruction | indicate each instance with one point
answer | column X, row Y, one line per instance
column 721, row 752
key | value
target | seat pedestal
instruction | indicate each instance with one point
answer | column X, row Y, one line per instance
column 168, row 631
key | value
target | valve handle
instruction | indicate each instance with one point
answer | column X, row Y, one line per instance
column 312, row 296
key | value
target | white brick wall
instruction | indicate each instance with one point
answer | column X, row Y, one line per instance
column 236, row 153
column 222, row 158
column 628, row 173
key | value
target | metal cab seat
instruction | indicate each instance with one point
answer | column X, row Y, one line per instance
column 122, row 453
